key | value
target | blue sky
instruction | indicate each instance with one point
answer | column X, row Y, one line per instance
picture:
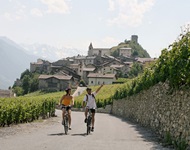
column 105, row 23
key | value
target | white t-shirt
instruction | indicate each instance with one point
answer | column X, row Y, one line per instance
column 91, row 103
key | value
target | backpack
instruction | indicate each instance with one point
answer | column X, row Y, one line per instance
column 92, row 96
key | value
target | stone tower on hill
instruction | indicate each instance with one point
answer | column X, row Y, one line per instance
column 134, row 38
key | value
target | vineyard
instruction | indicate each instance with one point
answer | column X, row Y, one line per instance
column 172, row 67
column 26, row 108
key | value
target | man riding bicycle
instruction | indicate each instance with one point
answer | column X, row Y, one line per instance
column 66, row 102
column 90, row 102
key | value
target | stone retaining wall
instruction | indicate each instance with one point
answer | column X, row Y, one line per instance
column 157, row 109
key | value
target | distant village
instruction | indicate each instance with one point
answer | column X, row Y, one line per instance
column 96, row 68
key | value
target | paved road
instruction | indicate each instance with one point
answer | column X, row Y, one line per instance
column 79, row 91
column 111, row 133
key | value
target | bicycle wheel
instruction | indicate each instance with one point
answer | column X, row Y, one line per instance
column 88, row 125
column 66, row 127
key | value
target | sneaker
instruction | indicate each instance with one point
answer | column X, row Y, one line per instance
column 92, row 129
column 85, row 120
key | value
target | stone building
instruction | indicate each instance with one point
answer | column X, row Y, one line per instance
column 98, row 51
column 7, row 93
column 84, row 59
column 41, row 66
column 99, row 78
column 125, row 51
column 55, row 82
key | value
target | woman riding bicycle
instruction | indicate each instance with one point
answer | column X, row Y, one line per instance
column 66, row 102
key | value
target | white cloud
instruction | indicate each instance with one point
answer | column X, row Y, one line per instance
column 20, row 11
column 17, row 14
column 111, row 5
column 36, row 12
column 57, row 6
column 130, row 12
column 8, row 16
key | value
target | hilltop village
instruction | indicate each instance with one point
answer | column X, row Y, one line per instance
column 97, row 67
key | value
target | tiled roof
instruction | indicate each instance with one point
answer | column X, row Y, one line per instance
column 145, row 59
column 101, row 49
column 60, row 77
column 106, row 63
column 99, row 75
column 116, row 66
column 126, row 48
column 85, row 57
column 128, row 63
column 55, row 66
column 74, row 65
column 88, row 69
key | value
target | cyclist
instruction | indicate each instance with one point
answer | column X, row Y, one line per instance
column 66, row 102
column 90, row 102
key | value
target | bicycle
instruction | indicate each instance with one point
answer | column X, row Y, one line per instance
column 89, row 122
column 65, row 122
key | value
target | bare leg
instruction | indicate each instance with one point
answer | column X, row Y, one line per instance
column 93, row 119
column 63, row 113
column 69, row 114
column 86, row 112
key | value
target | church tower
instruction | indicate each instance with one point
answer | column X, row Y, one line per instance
column 90, row 50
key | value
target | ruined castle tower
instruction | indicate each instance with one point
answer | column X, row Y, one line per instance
column 134, row 38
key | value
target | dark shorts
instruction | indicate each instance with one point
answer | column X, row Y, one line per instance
column 65, row 107
column 92, row 110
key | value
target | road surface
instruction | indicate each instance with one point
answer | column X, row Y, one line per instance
column 111, row 133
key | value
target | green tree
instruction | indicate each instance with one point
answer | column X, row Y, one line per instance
column 136, row 69
column 26, row 84
column 34, row 82
column 26, row 72
column 18, row 90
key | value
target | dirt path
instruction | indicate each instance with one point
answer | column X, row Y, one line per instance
column 111, row 133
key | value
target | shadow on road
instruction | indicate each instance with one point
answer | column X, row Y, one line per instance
column 80, row 134
column 146, row 134
column 56, row 134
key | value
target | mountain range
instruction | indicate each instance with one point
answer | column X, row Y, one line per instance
column 50, row 53
column 16, row 58
column 13, row 61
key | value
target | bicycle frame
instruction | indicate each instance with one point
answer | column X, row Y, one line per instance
column 89, row 121
column 66, row 120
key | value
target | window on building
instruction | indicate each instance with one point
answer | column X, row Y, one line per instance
column 91, row 82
